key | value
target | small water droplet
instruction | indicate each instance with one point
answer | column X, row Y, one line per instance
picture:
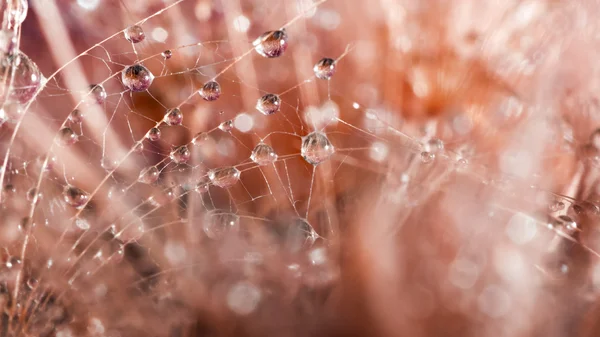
column 24, row 74
column 167, row 54
column 180, row 154
column 149, row 175
column 556, row 206
column 32, row 193
column 76, row 116
column 137, row 78
column 97, row 93
column 75, row 196
column 434, row 145
column 200, row 138
column 218, row 223
column 109, row 163
column 173, row 117
column 138, row 147
column 427, row 157
column 154, row 134
column 316, row 148
column 263, row 154
column 66, row 137
column 226, row 126
column 268, row 104
column 202, row 187
column 243, row 298
column 325, row 68
column 224, row 177
column 134, row 34
column 210, row 91
column 271, row 44
column 295, row 234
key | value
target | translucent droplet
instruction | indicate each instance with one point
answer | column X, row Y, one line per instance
column 138, row 147
column 316, row 148
column 243, row 298
column 263, row 154
column 434, row 145
column 154, row 134
column 268, row 104
column 224, row 177
column 173, row 117
column 295, row 234
column 210, row 91
column 32, row 193
column 218, row 223
column 167, row 54
column 25, row 75
column 564, row 223
column 202, row 187
column 109, row 163
column 226, row 126
column 325, row 68
column 149, row 175
column 76, row 116
column 180, row 154
column 97, row 93
column 75, row 196
column 271, row 44
column 15, row 12
column 134, row 34
column 427, row 157
column 556, row 206
column 137, row 78
column 66, row 137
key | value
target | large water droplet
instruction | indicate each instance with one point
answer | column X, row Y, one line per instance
column 76, row 116
column 75, row 196
column 316, row 148
column 137, row 78
column 224, row 177
column 66, row 137
column 25, row 75
column 149, row 175
column 134, row 34
column 218, row 223
column 268, row 104
column 173, row 117
column 154, row 134
column 325, row 68
column 210, row 91
column 180, row 154
column 263, row 154
column 97, row 93
column 271, row 44
column 243, row 298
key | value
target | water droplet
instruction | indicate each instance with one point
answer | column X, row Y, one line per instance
column 134, row 34
column 564, row 223
column 295, row 234
column 167, row 54
column 271, row 44
column 15, row 12
column 137, row 78
column 75, row 196
column 180, row 154
column 226, row 126
column 109, row 163
column 316, row 148
column 218, row 223
column 149, row 175
column 173, row 117
column 200, row 138
column 263, row 154
column 66, row 137
column 97, row 93
column 202, row 187
column 434, row 145
column 325, row 68
column 268, row 104
column 138, row 147
column 25, row 75
column 556, row 206
column 76, row 116
column 243, row 298
column 32, row 193
column 154, row 134
column 224, row 177
column 210, row 91
column 427, row 157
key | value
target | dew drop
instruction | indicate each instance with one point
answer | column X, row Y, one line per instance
column 224, row 177
column 108, row 163
column 138, row 147
column 97, row 93
column 263, row 154
column 75, row 196
column 167, row 54
column 218, row 223
column 200, row 138
column 15, row 12
column 180, row 154
column 154, row 134
column 31, row 194
column 271, row 44
column 316, row 148
column 137, row 78
column 268, row 104
column 296, row 234
column 134, row 34
column 210, row 91
column 173, row 117
column 434, row 145
column 427, row 157
column 226, row 126
column 202, row 187
column 149, row 175
column 24, row 74
column 76, row 116
column 556, row 206
column 66, row 137
column 325, row 68
column 243, row 298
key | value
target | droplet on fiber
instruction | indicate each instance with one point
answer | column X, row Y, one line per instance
column 75, row 196
column 173, row 117
column 263, row 154
column 167, row 54
column 427, row 157
column 134, row 34
column 243, row 298
column 434, row 145
column 271, row 44
column 316, row 148
column 137, row 78
column 325, row 68
column 226, row 126
column 23, row 76
column 268, row 104
column 180, row 155
column 218, row 223
column 97, row 93
column 66, row 137
column 224, row 177
column 153, row 134
column 15, row 12
column 210, row 91
column 149, row 175
column 76, row 116
column 295, row 234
